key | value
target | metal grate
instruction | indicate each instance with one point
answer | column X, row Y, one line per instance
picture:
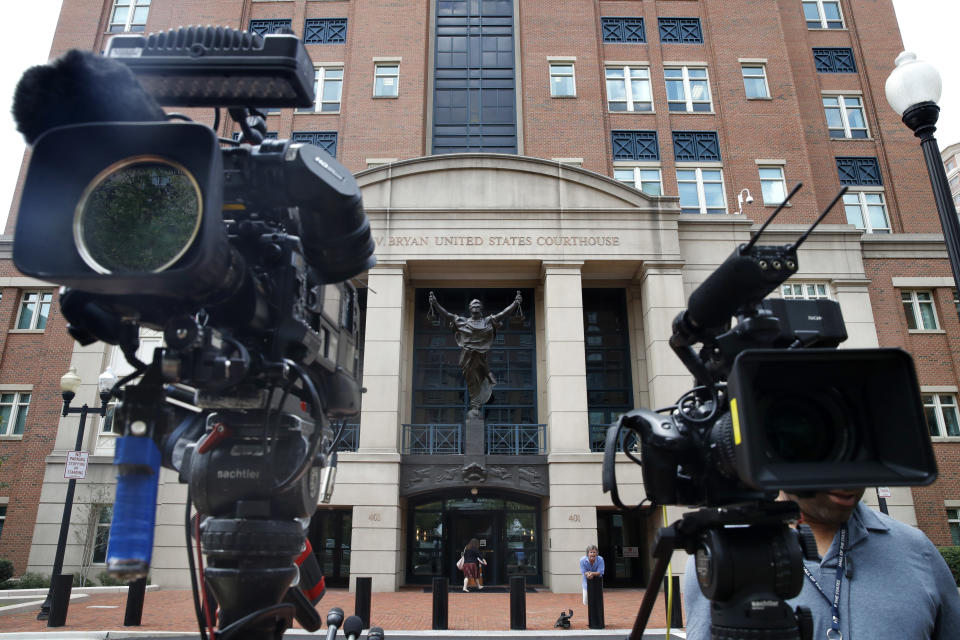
column 263, row 27
column 516, row 439
column 834, row 60
column 432, row 439
column 325, row 31
column 623, row 30
column 682, row 30
column 326, row 140
column 598, row 438
column 859, row 171
column 635, row 145
column 696, row 146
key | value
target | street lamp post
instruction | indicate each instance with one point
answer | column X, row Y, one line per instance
column 69, row 384
column 913, row 90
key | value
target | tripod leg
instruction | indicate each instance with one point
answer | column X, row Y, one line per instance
column 649, row 597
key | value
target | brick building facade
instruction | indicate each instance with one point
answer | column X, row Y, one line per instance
column 542, row 145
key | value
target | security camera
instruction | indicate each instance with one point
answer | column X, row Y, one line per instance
column 749, row 199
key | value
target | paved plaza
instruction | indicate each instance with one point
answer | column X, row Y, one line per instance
column 398, row 613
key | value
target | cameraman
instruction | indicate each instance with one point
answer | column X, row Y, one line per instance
column 895, row 583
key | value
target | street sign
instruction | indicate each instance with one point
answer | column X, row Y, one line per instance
column 76, row 468
column 883, row 492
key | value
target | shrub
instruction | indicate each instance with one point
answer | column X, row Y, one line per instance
column 31, row 580
column 107, row 580
column 952, row 556
column 6, row 569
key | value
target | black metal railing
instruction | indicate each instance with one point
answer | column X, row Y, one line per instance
column 432, row 439
column 350, row 438
column 516, row 439
column 598, row 437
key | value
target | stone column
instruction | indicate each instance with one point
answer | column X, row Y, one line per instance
column 570, row 518
column 662, row 297
column 370, row 478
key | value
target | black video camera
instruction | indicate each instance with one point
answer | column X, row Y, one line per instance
column 240, row 252
column 776, row 407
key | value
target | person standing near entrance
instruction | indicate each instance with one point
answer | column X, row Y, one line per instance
column 471, row 563
column 591, row 566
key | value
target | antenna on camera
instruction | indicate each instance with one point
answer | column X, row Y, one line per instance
column 773, row 215
column 823, row 215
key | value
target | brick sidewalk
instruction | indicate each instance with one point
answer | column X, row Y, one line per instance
column 401, row 611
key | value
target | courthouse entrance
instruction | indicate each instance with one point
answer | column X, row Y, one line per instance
column 507, row 527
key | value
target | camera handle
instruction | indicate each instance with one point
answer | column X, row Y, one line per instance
column 767, row 525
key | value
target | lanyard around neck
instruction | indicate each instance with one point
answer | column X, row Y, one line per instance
column 833, row 633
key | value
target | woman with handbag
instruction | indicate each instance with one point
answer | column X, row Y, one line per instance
column 471, row 561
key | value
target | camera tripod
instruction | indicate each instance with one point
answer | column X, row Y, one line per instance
column 748, row 602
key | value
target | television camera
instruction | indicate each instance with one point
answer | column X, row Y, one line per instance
column 241, row 253
column 775, row 407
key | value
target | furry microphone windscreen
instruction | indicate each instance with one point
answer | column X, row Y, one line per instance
column 80, row 87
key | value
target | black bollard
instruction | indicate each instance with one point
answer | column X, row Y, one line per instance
column 595, row 603
column 518, row 603
column 676, row 616
column 62, row 585
column 135, row 594
column 362, row 603
column 440, row 604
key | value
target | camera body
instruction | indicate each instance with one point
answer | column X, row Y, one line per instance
column 241, row 254
column 776, row 406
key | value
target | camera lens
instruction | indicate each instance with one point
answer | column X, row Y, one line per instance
column 802, row 427
column 139, row 215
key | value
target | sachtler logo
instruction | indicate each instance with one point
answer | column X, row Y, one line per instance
column 238, row 474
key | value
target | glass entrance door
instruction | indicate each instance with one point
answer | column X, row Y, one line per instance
column 486, row 527
column 329, row 536
column 622, row 543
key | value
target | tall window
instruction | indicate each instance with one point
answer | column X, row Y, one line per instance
column 773, row 185
column 688, row 89
column 628, row 89
column 562, row 83
column 866, row 210
column 386, row 82
column 607, row 349
column 823, row 14
column 13, row 412
column 941, row 412
column 34, row 309
column 953, row 521
column 474, row 88
column 129, row 15
column 845, row 117
column 439, row 390
column 701, row 190
column 102, row 533
column 805, row 291
column 328, row 87
column 755, row 80
column 640, row 178
column 918, row 307
column 3, row 517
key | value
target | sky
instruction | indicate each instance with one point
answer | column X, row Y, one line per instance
column 929, row 29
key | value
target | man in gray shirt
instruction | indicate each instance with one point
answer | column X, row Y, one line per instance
column 895, row 583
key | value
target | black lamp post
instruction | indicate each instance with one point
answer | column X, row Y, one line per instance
column 69, row 384
column 913, row 90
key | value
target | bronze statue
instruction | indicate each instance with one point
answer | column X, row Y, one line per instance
column 475, row 336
